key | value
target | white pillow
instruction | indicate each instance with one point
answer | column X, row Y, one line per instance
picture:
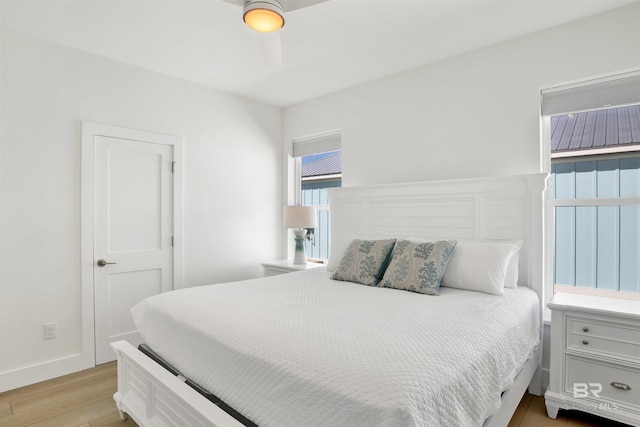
column 337, row 252
column 479, row 266
column 511, row 278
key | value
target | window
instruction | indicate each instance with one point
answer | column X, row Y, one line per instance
column 319, row 172
column 318, row 167
column 595, row 187
column 597, row 223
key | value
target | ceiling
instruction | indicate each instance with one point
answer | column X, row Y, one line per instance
column 325, row 47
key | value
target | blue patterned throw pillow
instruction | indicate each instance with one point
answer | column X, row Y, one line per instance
column 418, row 267
column 364, row 261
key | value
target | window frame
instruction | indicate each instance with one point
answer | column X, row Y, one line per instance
column 547, row 160
column 298, row 196
column 323, row 142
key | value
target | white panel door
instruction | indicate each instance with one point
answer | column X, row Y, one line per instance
column 133, row 224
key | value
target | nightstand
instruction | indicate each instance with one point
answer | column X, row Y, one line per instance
column 284, row 266
column 595, row 357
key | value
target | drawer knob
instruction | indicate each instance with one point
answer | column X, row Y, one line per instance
column 585, row 329
column 620, row 386
column 585, row 342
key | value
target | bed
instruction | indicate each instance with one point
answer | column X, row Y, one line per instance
column 304, row 349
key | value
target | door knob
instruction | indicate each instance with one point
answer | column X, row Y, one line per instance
column 102, row 263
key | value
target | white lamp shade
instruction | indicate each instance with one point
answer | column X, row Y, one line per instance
column 299, row 217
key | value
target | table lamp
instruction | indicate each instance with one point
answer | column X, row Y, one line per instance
column 299, row 218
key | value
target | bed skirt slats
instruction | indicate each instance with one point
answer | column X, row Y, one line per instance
column 153, row 396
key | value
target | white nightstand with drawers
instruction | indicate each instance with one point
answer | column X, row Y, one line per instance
column 284, row 266
column 595, row 357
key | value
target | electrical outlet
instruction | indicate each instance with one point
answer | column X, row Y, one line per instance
column 50, row 330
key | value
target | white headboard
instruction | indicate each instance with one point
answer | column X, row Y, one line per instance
column 482, row 209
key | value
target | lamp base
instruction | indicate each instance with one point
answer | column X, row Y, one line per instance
column 299, row 256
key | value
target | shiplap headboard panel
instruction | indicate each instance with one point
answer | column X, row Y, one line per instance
column 483, row 209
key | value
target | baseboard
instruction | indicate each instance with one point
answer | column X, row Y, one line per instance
column 28, row 375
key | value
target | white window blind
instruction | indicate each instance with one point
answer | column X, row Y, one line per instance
column 317, row 144
column 622, row 89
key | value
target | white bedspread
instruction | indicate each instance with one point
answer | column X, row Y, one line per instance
column 302, row 350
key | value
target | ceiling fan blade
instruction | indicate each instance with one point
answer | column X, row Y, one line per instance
column 289, row 5
column 236, row 2
column 270, row 42
column 271, row 47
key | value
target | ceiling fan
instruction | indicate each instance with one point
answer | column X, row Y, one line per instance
column 267, row 17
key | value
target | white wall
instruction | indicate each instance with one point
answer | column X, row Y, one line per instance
column 232, row 181
column 473, row 115
column 470, row 116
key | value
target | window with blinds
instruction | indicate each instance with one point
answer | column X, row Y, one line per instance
column 594, row 134
column 318, row 167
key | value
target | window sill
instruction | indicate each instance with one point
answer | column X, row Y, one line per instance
column 632, row 296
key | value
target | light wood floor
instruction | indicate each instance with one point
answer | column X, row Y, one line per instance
column 532, row 413
column 85, row 399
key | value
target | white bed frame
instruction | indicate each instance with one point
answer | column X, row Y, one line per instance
column 484, row 209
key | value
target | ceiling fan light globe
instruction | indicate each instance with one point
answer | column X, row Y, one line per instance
column 264, row 16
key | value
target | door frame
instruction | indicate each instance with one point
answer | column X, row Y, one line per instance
column 89, row 131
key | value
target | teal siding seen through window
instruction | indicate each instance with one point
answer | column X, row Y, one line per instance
column 597, row 246
column 610, row 178
column 314, row 193
column 319, row 172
